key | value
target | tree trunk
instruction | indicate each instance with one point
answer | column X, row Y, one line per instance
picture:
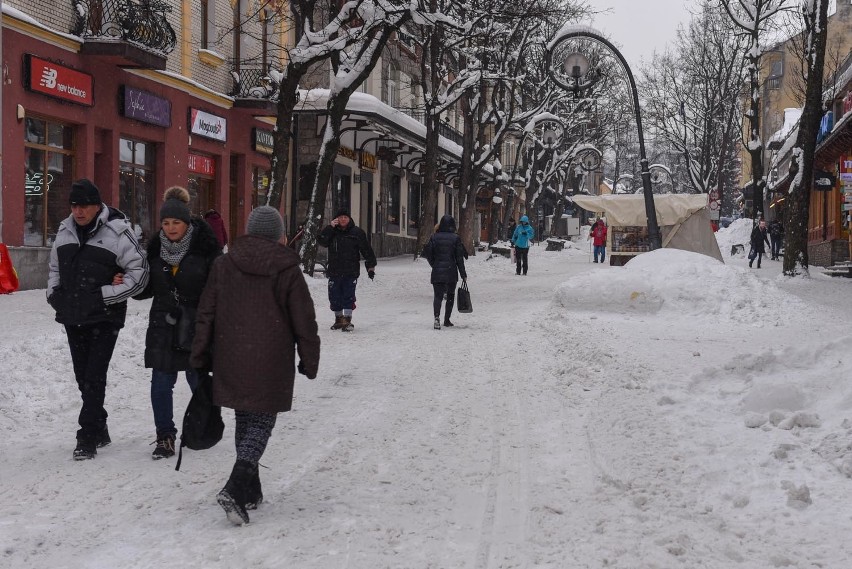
column 288, row 96
column 467, row 206
column 430, row 164
column 802, row 168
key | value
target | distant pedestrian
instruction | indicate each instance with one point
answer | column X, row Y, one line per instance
column 217, row 224
column 446, row 254
column 521, row 240
column 758, row 238
column 96, row 264
column 598, row 236
column 347, row 245
column 180, row 257
column 510, row 229
column 776, row 238
column 255, row 315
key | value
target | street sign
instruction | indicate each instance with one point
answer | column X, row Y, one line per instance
column 823, row 181
column 847, row 207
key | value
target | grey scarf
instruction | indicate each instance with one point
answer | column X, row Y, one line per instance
column 172, row 252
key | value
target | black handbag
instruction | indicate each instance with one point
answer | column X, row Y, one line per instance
column 463, row 301
column 202, row 422
column 183, row 328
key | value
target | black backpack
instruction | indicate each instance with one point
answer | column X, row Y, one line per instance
column 202, row 422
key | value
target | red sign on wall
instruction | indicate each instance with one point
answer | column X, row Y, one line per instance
column 203, row 165
column 43, row 76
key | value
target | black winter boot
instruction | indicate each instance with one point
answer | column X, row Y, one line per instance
column 255, row 495
column 234, row 496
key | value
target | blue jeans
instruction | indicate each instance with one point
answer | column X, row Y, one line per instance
column 602, row 250
column 162, row 384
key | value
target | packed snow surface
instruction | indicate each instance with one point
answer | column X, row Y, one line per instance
column 676, row 412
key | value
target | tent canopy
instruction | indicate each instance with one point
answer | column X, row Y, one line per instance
column 683, row 218
column 626, row 210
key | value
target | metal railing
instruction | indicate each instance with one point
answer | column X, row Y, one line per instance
column 139, row 21
column 444, row 129
column 253, row 83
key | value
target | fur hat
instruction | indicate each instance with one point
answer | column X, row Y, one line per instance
column 84, row 192
column 265, row 221
column 176, row 205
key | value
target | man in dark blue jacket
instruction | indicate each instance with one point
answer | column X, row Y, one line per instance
column 96, row 264
column 347, row 244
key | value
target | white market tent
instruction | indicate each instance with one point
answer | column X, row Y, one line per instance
column 683, row 218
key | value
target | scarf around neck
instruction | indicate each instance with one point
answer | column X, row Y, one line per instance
column 172, row 252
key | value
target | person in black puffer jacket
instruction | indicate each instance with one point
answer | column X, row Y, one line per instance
column 180, row 257
column 446, row 254
column 347, row 244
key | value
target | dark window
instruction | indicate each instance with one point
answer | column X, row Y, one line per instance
column 48, row 160
column 393, row 203
column 415, row 205
column 205, row 19
column 136, row 182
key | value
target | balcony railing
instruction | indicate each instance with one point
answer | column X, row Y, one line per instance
column 444, row 129
column 142, row 22
column 255, row 83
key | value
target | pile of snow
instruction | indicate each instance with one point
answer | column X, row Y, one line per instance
column 679, row 282
column 737, row 233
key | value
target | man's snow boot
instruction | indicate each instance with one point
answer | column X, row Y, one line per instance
column 447, row 323
column 339, row 322
column 165, row 447
column 86, row 450
column 348, row 326
column 437, row 323
column 103, row 439
column 234, row 496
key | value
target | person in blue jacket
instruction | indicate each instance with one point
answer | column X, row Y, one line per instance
column 521, row 240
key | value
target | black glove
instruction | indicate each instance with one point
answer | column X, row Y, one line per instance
column 301, row 368
column 371, row 274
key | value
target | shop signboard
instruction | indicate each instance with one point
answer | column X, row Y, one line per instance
column 846, row 170
column 204, row 165
column 368, row 161
column 823, row 181
column 208, row 125
column 48, row 78
column 263, row 140
column 146, row 107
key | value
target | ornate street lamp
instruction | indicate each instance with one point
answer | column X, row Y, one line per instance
column 569, row 77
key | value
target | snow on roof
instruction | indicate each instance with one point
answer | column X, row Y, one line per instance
column 362, row 103
column 791, row 119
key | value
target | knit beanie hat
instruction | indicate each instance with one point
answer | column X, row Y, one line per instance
column 265, row 221
column 176, row 205
column 84, row 192
column 343, row 211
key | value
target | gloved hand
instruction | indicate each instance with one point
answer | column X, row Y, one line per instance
column 371, row 273
column 301, row 368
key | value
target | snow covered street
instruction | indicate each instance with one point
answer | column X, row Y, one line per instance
column 675, row 412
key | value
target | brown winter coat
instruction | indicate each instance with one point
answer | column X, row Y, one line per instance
column 256, row 310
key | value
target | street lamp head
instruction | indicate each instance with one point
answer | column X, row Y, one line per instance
column 549, row 137
column 576, row 65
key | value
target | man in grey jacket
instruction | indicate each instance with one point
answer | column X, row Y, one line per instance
column 96, row 264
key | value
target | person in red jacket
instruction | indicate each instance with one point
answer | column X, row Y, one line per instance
column 598, row 236
column 217, row 224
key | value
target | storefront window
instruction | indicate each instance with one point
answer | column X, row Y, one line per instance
column 48, row 160
column 260, row 179
column 137, row 192
column 200, row 183
column 342, row 188
column 393, row 203
column 415, row 205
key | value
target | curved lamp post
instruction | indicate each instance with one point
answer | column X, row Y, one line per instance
column 571, row 79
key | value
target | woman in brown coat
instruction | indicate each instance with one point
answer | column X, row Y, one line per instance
column 255, row 313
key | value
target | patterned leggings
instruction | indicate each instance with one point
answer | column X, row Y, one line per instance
column 252, row 433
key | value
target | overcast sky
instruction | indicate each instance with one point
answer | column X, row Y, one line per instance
column 640, row 27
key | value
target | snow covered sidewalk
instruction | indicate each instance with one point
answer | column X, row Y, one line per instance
column 675, row 412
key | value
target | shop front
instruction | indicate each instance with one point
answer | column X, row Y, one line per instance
column 133, row 132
